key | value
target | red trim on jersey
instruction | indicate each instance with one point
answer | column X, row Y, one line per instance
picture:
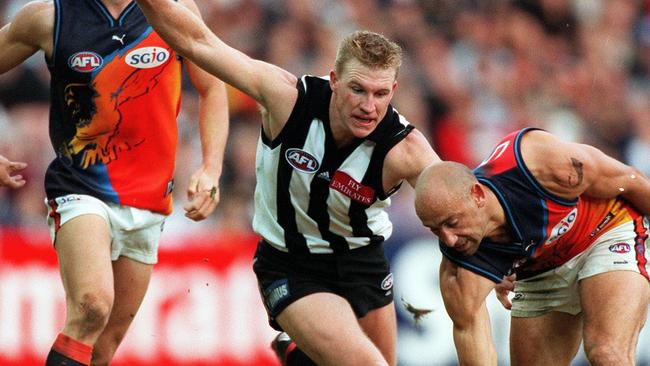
column 503, row 157
column 292, row 346
column 73, row 349
column 55, row 215
column 639, row 245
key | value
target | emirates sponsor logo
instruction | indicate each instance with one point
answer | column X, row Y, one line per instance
column 353, row 189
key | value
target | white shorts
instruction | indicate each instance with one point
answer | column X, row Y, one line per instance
column 135, row 233
column 557, row 289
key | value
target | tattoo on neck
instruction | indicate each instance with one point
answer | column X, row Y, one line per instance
column 577, row 166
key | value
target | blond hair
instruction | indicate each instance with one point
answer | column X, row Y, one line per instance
column 371, row 49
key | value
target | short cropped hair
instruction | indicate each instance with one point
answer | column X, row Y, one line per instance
column 371, row 49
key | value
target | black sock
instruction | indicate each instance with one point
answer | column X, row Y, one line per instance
column 54, row 358
column 298, row 358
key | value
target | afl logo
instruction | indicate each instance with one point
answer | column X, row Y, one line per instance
column 85, row 61
column 620, row 248
column 147, row 57
column 302, row 160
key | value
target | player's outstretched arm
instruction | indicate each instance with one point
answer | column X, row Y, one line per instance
column 271, row 86
column 29, row 31
column 464, row 293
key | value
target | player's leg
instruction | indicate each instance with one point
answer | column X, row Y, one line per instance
column 615, row 306
column 288, row 352
column 614, row 293
column 325, row 327
column 381, row 327
column 83, row 248
column 131, row 281
column 546, row 321
column 134, row 252
column 550, row 339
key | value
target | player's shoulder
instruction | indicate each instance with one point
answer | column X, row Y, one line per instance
column 190, row 4
column 35, row 16
column 37, row 8
column 410, row 156
column 539, row 136
column 413, row 142
column 33, row 24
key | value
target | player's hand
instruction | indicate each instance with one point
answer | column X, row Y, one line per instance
column 202, row 195
column 504, row 288
column 8, row 176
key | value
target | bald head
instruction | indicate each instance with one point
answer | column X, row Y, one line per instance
column 440, row 186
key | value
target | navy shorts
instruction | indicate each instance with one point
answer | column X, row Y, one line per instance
column 362, row 276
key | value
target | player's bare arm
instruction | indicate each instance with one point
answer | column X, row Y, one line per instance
column 30, row 30
column 271, row 86
column 607, row 177
column 407, row 159
column 570, row 169
column 464, row 294
column 203, row 189
column 9, row 173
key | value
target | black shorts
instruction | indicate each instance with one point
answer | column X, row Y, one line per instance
column 361, row 276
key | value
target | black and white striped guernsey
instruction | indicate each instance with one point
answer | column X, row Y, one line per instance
column 312, row 197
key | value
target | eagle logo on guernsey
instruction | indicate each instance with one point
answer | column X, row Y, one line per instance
column 85, row 61
column 302, row 160
column 147, row 57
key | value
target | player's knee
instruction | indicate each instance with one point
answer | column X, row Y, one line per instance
column 604, row 353
column 92, row 312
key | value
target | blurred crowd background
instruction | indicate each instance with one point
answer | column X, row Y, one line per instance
column 474, row 70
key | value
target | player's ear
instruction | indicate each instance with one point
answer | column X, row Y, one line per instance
column 478, row 194
column 333, row 79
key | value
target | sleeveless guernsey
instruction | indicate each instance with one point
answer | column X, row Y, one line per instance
column 312, row 197
column 549, row 230
column 115, row 94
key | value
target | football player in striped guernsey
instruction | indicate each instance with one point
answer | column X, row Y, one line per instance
column 331, row 152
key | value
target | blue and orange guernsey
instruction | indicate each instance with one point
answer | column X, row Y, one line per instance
column 548, row 230
column 115, row 90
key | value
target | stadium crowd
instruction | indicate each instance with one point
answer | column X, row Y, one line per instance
column 474, row 70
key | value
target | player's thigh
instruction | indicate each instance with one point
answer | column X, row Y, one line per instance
column 381, row 327
column 615, row 306
column 551, row 339
column 325, row 327
column 83, row 247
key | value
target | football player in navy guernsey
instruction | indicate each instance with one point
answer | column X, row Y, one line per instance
column 115, row 90
column 331, row 152
column 570, row 222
